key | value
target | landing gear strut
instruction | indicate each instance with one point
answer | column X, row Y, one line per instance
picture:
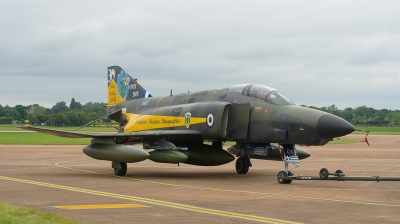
column 119, row 168
column 289, row 156
column 242, row 164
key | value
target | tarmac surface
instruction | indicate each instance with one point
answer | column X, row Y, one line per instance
column 50, row 177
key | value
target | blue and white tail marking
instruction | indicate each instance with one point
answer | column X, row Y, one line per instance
column 122, row 87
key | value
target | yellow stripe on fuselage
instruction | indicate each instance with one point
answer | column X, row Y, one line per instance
column 140, row 122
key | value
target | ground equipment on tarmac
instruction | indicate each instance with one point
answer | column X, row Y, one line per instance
column 287, row 177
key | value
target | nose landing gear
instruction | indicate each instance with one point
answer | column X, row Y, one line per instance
column 289, row 155
column 282, row 177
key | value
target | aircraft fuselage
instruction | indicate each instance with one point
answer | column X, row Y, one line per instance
column 228, row 116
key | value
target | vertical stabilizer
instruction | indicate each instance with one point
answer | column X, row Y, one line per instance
column 122, row 87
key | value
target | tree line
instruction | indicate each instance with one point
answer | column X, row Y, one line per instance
column 60, row 114
column 77, row 114
column 364, row 115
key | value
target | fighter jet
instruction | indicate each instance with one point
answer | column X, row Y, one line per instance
column 192, row 127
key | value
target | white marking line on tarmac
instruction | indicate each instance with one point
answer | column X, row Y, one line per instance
column 185, row 207
column 11, row 168
column 327, row 188
column 99, row 206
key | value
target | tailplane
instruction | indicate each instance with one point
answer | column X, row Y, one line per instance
column 122, row 87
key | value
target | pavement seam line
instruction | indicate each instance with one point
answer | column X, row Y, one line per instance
column 99, row 206
column 225, row 190
column 154, row 202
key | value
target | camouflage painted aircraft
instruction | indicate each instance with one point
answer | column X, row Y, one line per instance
column 176, row 128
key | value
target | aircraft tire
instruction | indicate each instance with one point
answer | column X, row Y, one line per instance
column 122, row 171
column 289, row 174
column 324, row 174
column 242, row 165
column 281, row 177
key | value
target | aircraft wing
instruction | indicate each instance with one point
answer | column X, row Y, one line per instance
column 140, row 135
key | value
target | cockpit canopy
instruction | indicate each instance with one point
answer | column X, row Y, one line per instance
column 268, row 94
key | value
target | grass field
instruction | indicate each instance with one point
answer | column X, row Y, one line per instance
column 378, row 130
column 12, row 214
column 26, row 138
column 343, row 141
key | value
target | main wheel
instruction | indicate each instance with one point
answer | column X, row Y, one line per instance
column 324, row 174
column 242, row 165
column 122, row 171
column 282, row 175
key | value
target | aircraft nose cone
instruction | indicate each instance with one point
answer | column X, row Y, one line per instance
column 331, row 126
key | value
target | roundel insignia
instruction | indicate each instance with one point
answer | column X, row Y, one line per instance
column 210, row 120
column 187, row 119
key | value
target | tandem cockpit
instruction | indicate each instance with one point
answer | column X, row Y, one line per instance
column 266, row 93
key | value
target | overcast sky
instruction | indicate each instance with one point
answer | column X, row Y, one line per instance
column 319, row 53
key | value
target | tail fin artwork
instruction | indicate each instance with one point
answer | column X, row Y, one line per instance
column 122, row 87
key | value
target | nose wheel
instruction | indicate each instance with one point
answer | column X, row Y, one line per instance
column 282, row 177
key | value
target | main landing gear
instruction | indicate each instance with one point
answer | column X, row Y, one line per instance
column 119, row 168
column 242, row 164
